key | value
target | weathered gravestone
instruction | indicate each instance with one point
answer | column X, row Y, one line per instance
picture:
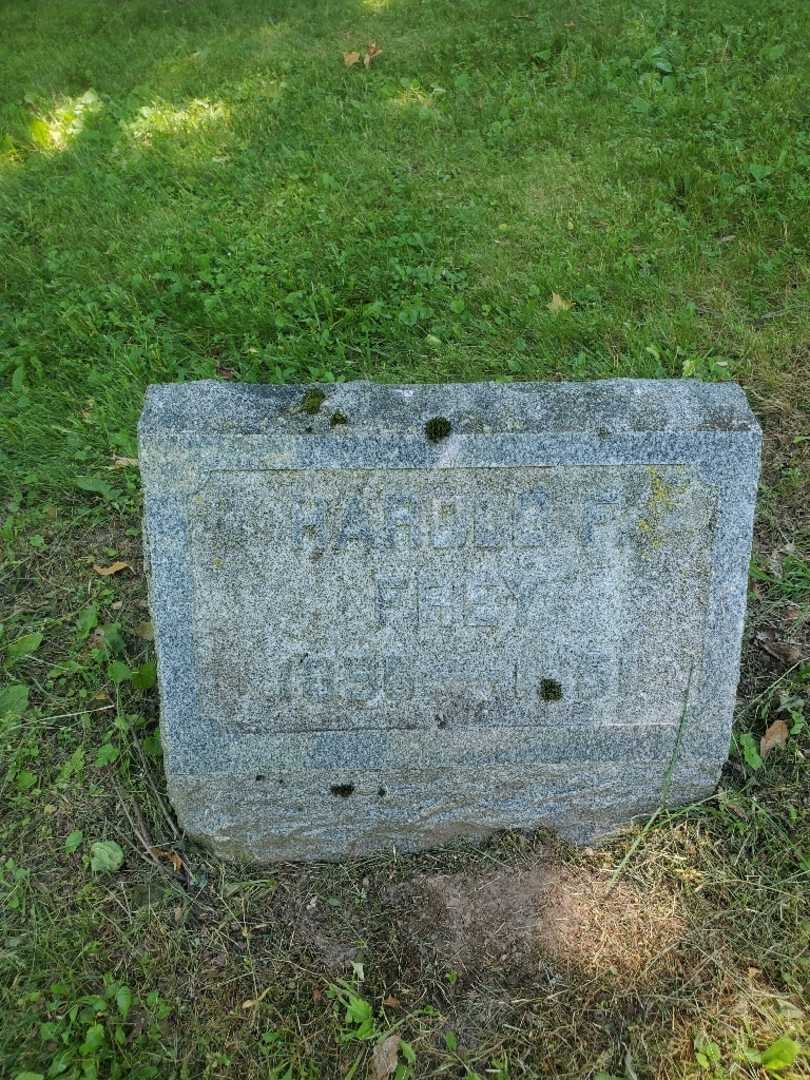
column 372, row 632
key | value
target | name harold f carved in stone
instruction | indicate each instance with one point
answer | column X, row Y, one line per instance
column 439, row 521
column 480, row 596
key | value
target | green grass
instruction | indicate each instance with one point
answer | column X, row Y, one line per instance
column 206, row 190
column 187, row 188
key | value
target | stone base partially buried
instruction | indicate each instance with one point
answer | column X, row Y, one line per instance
column 390, row 616
column 410, row 811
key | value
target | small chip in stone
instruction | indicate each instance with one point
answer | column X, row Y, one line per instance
column 438, row 428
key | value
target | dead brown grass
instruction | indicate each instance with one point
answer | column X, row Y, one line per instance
column 571, row 916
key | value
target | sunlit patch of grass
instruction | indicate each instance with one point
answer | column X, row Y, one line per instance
column 162, row 118
column 56, row 130
column 414, row 94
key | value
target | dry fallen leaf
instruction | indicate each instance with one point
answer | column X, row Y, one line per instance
column 370, row 55
column 251, row 1003
column 372, row 52
column 113, row 568
column 791, row 654
column 391, row 1001
column 169, row 856
column 124, row 462
column 783, row 651
column 776, row 735
column 384, row 1058
column 557, row 304
column 735, row 808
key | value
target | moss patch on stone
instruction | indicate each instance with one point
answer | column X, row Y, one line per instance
column 550, row 690
column 437, row 428
column 312, row 400
column 660, row 502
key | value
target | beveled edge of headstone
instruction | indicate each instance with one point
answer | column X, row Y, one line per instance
column 602, row 407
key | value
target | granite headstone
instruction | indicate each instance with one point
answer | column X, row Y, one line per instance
column 387, row 616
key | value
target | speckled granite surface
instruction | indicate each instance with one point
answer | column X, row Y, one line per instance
column 368, row 639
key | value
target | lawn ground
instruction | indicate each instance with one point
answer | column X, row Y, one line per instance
column 507, row 190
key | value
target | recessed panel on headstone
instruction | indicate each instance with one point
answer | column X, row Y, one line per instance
column 370, row 638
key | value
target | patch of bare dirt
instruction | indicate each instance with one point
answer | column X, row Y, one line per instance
column 519, row 919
